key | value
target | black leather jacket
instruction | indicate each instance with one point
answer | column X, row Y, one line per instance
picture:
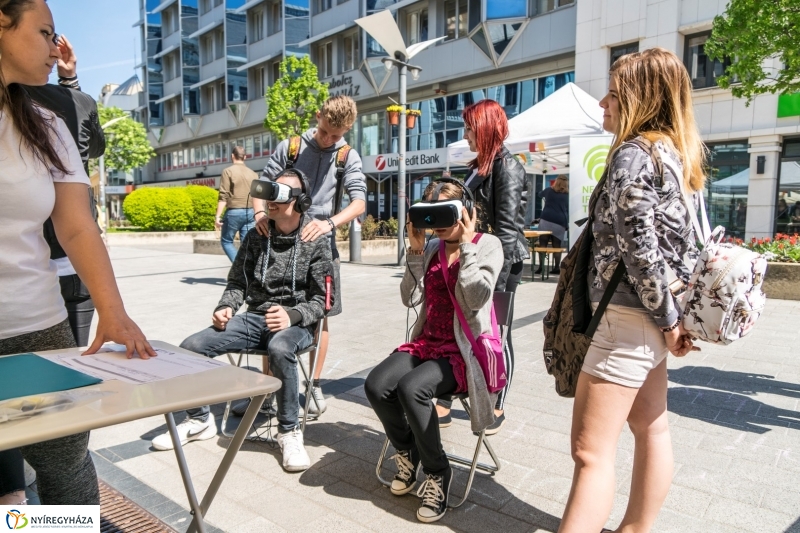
column 501, row 206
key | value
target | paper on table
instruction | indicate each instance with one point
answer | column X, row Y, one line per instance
column 112, row 363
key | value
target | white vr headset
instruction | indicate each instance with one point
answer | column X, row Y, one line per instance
column 273, row 191
column 434, row 215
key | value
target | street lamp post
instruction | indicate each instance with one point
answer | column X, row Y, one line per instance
column 401, row 168
column 383, row 28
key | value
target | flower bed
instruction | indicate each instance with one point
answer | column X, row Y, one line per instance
column 782, row 249
column 783, row 273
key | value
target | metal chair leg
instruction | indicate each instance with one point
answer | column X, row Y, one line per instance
column 308, row 376
column 379, row 467
column 225, row 433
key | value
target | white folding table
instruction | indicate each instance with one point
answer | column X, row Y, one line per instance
column 132, row 402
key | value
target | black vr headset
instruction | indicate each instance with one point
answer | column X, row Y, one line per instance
column 272, row 191
column 435, row 214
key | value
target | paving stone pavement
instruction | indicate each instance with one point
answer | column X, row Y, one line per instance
column 734, row 416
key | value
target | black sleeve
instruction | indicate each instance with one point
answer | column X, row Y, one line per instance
column 508, row 187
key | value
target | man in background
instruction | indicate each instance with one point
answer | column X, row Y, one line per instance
column 234, row 199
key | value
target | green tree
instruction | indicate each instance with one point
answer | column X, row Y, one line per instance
column 127, row 146
column 294, row 99
column 751, row 32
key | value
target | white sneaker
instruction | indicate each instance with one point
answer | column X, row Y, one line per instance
column 312, row 408
column 188, row 430
column 295, row 458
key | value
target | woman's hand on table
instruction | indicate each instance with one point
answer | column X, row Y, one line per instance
column 122, row 330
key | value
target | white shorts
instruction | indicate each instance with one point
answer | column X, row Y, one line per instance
column 626, row 346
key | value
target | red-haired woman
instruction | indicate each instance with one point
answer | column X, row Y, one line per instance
column 497, row 182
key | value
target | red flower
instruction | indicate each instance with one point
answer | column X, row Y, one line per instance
column 754, row 240
column 766, row 239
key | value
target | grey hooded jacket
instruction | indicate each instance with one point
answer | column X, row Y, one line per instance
column 319, row 166
column 480, row 266
column 261, row 285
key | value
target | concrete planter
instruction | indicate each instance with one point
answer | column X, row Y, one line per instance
column 156, row 237
column 377, row 247
column 782, row 281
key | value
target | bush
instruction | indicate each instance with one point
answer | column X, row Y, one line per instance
column 343, row 232
column 369, row 228
column 204, row 203
column 782, row 249
column 390, row 227
column 159, row 209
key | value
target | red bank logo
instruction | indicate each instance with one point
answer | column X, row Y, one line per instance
column 380, row 162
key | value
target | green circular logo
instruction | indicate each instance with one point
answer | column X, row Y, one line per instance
column 595, row 161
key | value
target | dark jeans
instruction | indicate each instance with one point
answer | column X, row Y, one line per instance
column 241, row 220
column 514, row 277
column 248, row 330
column 80, row 307
column 400, row 390
column 64, row 470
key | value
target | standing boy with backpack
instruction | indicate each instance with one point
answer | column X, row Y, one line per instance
column 332, row 167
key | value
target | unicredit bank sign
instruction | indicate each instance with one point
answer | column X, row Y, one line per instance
column 420, row 160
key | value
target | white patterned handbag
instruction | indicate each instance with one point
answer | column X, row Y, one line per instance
column 724, row 298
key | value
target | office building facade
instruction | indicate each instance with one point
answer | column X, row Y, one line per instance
column 208, row 63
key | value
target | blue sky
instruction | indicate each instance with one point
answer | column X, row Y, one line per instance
column 104, row 41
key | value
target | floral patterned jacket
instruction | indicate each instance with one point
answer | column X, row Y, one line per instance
column 642, row 219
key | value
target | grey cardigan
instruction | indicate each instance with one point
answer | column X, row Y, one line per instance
column 480, row 266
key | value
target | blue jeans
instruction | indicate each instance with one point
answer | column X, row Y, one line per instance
column 241, row 220
column 248, row 330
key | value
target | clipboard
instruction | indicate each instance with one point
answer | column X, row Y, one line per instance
column 28, row 374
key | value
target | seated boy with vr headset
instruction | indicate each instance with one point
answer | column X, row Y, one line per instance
column 283, row 282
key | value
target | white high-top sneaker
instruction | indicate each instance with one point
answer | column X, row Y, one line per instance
column 295, row 458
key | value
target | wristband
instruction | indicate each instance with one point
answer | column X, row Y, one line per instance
column 673, row 326
column 333, row 226
column 257, row 212
column 416, row 252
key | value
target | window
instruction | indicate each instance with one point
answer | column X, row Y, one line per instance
column 170, row 67
column 209, row 98
column 417, row 27
column 205, row 6
column 506, row 9
column 169, row 21
column 207, row 49
column 323, row 5
column 257, row 25
column 541, row 7
column 352, row 55
column 619, row 51
column 702, row 70
column 456, row 13
column 325, row 59
column 172, row 109
column 259, row 83
column 787, row 211
column 276, row 71
column 221, row 96
column 275, row 19
column 219, row 44
column 728, row 174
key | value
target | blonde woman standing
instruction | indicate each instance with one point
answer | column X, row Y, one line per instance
column 640, row 219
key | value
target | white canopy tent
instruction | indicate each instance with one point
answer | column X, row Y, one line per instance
column 541, row 134
column 738, row 183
